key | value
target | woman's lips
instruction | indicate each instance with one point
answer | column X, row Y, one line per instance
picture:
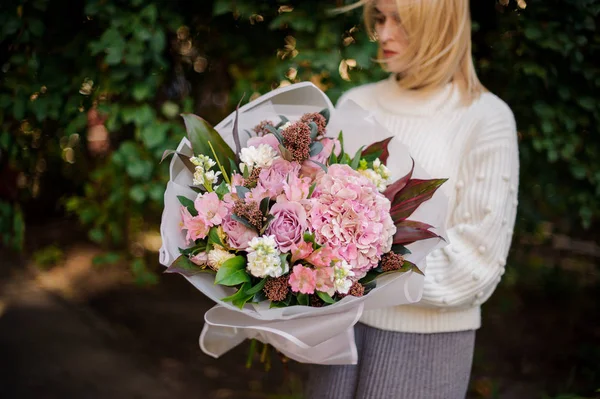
column 389, row 53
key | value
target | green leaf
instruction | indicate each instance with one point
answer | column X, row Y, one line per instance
column 240, row 298
column 356, row 159
column 259, row 286
column 315, row 148
column 400, row 249
column 213, row 237
column 200, row 133
column 311, row 189
column 325, row 297
column 242, row 191
column 313, row 130
column 325, row 112
column 189, row 204
column 242, row 220
column 184, row 266
column 302, row 299
column 232, row 272
column 413, row 267
column 222, row 189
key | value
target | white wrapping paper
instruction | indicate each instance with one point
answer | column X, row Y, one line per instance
column 306, row 334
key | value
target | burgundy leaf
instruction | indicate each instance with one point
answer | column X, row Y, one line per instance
column 378, row 150
column 184, row 266
column 412, row 195
column 393, row 189
column 408, row 232
column 184, row 158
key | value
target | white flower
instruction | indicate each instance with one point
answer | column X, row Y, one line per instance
column 263, row 258
column 218, row 256
column 342, row 271
column 259, row 157
column 203, row 161
column 285, row 126
column 379, row 175
column 203, row 176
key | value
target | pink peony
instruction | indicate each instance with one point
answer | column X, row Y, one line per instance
column 301, row 250
column 268, row 139
column 237, row 180
column 350, row 215
column 310, row 168
column 238, row 235
column 210, row 208
column 289, row 224
column 272, row 179
column 196, row 226
column 324, row 280
column 302, row 279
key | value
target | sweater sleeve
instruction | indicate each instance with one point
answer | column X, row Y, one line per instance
column 466, row 272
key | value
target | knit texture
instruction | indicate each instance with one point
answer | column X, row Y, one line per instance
column 475, row 147
column 399, row 365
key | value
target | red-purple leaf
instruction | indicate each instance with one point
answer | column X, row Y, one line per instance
column 377, row 150
column 393, row 189
column 184, row 158
column 184, row 266
column 412, row 195
column 408, row 232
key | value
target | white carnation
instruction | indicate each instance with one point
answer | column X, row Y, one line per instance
column 259, row 157
column 218, row 256
column 263, row 258
column 342, row 271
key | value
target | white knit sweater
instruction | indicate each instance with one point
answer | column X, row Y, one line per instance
column 475, row 147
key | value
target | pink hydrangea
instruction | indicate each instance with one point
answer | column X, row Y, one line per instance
column 196, row 226
column 210, row 208
column 349, row 214
column 303, row 280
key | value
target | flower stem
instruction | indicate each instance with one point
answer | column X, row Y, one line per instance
column 223, row 172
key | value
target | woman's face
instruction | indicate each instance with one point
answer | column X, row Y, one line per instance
column 390, row 33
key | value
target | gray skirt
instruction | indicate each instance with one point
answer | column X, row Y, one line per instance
column 399, row 365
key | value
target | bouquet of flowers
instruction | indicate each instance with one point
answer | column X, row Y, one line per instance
column 290, row 220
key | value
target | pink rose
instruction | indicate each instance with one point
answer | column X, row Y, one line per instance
column 238, row 235
column 210, row 208
column 195, row 225
column 289, row 224
column 302, row 279
column 268, row 139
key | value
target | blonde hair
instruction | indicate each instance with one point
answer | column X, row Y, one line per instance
column 439, row 44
